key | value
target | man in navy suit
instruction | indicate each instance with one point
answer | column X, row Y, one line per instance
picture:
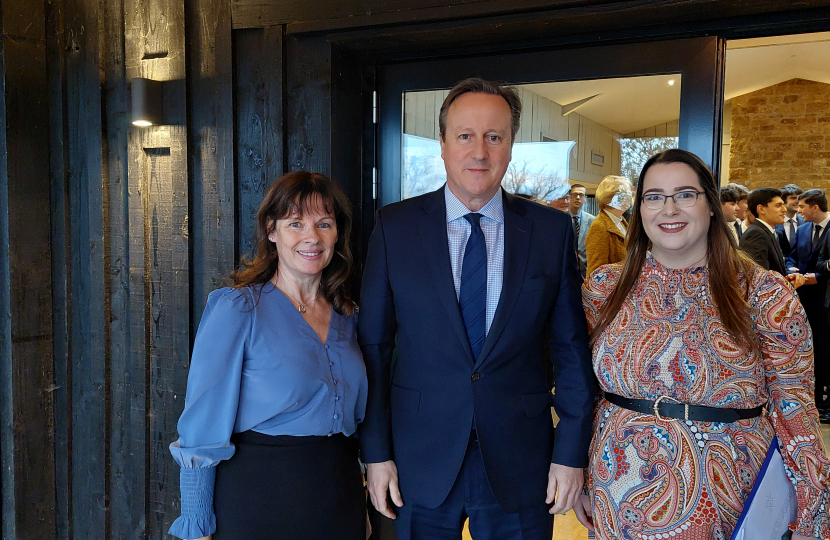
column 477, row 292
column 804, row 258
column 792, row 221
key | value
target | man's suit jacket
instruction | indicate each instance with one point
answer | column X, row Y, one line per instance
column 761, row 244
column 421, row 406
column 786, row 245
column 805, row 258
column 585, row 220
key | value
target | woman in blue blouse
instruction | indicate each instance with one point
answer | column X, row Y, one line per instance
column 277, row 383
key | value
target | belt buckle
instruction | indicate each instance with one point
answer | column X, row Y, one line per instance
column 657, row 408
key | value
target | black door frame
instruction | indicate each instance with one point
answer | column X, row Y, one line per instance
column 699, row 61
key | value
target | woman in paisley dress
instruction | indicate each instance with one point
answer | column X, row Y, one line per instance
column 688, row 319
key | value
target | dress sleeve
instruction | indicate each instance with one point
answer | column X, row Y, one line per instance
column 211, row 403
column 596, row 290
column 787, row 347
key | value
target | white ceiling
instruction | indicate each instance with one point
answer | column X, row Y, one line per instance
column 630, row 104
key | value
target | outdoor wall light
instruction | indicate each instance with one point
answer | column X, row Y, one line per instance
column 147, row 102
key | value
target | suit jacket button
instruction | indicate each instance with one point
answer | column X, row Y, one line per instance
column 476, row 376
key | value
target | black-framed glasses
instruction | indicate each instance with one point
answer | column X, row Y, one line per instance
column 683, row 199
column 577, row 196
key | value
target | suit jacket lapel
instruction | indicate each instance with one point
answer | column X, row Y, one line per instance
column 517, row 231
column 433, row 229
column 777, row 246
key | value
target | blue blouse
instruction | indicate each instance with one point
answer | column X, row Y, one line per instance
column 258, row 365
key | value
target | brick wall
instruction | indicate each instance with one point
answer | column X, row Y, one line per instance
column 781, row 135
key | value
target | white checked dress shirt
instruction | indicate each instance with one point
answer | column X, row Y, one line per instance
column 458, row 232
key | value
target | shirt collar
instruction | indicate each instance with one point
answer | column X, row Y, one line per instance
column 824, row 223
column 793, row 219
column 767, row 225
column 494, row 209
column 617, row 220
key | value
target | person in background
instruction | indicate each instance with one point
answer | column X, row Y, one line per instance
column 804, row 259
column 582, row 222
column 562, row 203
column 605, row 241
column 786, row 231
column 729, row 206
column 680, row 433
column 277, row 384
column 760, row 241
column 743, row 215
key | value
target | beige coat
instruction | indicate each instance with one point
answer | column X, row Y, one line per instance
column 604, row 243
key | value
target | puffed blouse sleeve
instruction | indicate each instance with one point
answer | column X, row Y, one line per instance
column 211, row 403
column 787, row 348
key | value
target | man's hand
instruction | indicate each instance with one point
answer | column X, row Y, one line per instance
column 382, row 478
column 564, row 486
column 584, row 512
column 810, row 279
column 797, row 280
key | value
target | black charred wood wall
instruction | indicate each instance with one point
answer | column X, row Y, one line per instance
column 111, row 236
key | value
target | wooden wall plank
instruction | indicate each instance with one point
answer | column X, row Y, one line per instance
column 308, row 104
column 213, row 219
column 158, row 213
column 127, row 444
column 8, row 479
column 259, row 123
column 56, row 47
column 27, row 417
column 88, row 321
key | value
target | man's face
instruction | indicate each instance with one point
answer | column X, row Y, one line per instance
column 561, row 203
column 577, row 200
column 792, row 204
column 476, row 147
column 730, row 211
column 811, row 213
column 774, row 211
column 743, row 206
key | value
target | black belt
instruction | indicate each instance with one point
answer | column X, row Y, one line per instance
column 666, row 407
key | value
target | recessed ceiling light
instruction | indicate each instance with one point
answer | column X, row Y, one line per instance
column 671, row 82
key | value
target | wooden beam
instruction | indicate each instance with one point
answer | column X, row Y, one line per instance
column 304, row 17
column 259, row 123
column 308, row 104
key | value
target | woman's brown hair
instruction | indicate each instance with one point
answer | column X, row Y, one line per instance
column 292, row 195
column 726, row 263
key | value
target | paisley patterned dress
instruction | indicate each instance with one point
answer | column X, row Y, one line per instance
column 652, row 479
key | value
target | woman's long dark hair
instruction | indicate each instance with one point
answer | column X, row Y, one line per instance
column 294, row 194
column 725, row 261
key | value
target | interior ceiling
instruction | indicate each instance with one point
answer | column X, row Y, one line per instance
column 631, row 104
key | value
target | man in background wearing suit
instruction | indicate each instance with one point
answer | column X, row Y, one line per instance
column 476, row 290
column 811, row 237
column 743, row 212
column 792, row 221
column 760, row 241
column 582, row 221
column 729, row 205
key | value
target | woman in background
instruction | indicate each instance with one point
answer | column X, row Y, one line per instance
column 691, row 342
column 605, row 241
column 277, row 383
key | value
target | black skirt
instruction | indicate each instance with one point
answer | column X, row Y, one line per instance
column 290, row 488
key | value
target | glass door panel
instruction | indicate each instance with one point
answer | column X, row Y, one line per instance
column 573, row 132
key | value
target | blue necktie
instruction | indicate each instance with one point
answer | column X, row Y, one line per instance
column 473, row 295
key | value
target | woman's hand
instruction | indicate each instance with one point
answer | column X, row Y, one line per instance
column 584, row 512
column 368, row 526
column 797, row 536
column 208, row 537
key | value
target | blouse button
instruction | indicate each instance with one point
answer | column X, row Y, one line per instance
column 335, row 381
column 336, row 398
column 327, row 346
column 336, row 417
